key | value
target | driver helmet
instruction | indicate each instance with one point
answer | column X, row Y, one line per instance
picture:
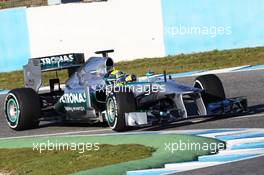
column 118, row 76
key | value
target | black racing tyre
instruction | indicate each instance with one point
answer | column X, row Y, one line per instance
column 213, row 90
column 117, row 104
column 22, row 109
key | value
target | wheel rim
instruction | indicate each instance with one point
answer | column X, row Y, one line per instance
column 12, row 110
column 111, row 114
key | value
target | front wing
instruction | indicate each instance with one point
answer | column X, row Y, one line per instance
column 227, row 107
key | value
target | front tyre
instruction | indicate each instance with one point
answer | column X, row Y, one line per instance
column 213, row 90
column 117, row 105
column 22, row 109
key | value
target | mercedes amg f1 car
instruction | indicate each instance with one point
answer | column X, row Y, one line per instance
column 90, row 95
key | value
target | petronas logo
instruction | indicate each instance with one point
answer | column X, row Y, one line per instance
column 57, row 60
column 73, row 98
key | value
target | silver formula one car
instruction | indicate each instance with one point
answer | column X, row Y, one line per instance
column 96, row 92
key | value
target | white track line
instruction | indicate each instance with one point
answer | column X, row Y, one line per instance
column 55, row 134
column 220, row 71
column 75, row 133
column 213, row 135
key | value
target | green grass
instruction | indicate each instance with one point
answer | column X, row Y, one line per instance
column 160, row 157
column 196, row 61
column 26, row 161
column 172, row 64
column 22, row 3
column 11, row 80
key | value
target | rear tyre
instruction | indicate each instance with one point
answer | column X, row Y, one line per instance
column 22, row 109
column 213, row 90
column 117, row 104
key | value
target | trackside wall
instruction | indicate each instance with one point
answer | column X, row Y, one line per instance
column 202, row 25
column 134, row 28
column 14, row 39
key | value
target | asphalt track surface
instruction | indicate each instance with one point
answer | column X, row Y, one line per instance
column 245, row 83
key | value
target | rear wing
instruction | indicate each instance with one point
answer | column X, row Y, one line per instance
column 58, row 62
column 35, row 66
